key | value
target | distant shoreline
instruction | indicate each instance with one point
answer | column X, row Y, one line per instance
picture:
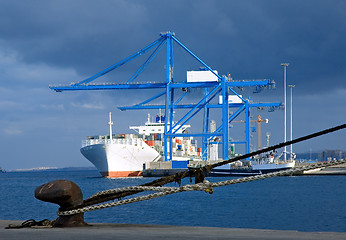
column 46, row 169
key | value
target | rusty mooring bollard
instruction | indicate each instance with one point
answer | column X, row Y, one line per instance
column 66, row 194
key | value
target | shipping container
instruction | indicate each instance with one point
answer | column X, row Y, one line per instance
column 179, row 164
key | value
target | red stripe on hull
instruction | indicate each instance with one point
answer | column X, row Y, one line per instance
column 120, row 174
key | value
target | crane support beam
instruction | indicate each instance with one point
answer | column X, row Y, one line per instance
column 195, row 134
column 126, row 60
column 198, row 107
column 260, row 105
column 149, row 85
column 187, row 106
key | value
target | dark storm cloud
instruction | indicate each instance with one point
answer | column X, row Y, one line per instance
column 246, row 38
column 68, row 33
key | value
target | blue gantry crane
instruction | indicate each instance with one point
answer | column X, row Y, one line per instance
column 218, row 90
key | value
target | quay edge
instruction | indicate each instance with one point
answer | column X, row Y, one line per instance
column 103, row 231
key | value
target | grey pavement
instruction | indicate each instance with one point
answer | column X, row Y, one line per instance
column 130, row 231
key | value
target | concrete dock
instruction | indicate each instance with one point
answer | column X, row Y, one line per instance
column 102, row 231
column 333, row 170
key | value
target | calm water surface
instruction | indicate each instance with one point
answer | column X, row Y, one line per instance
column 304, row 203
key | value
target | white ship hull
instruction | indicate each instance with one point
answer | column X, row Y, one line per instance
column 274, row 166
column 255, row 169
column 120, row 157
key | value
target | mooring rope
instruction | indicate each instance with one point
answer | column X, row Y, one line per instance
column 204, row 186
column 32, row 223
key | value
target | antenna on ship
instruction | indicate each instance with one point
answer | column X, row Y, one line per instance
column 268, row 136
column 110, row 127
column 160, row 115
column 148, row 121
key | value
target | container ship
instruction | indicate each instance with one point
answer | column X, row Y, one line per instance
column 141, row 154
column 126, row 155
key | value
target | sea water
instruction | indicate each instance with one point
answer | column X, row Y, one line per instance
column 303, row 203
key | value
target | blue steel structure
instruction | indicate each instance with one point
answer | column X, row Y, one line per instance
column 223, row 86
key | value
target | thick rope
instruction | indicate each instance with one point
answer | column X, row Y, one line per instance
column 288, row 172
column 205, row 186
column 32, row 223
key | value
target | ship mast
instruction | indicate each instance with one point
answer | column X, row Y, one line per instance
column 110, row 127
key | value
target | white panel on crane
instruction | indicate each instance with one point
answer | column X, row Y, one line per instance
column 232, row 99
column 201, row 76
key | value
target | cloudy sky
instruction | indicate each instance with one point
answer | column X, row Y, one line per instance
column 46, row 43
